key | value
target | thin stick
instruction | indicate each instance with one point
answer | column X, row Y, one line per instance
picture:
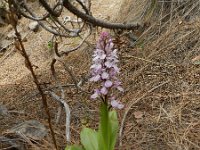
column 55, row 51
column 67, row 110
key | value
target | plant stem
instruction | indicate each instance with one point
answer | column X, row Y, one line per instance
column 104, row 125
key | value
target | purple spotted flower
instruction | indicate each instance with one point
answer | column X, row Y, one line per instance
column 104, row 70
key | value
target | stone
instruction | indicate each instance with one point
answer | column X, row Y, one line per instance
column 32, row 129
column 33, row 26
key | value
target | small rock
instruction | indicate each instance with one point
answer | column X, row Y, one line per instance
column 3, row 111
column 33, row 26
column 32, row 129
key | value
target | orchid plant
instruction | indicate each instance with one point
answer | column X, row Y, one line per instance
column 104, row 71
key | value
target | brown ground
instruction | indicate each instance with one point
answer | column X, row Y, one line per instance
column 161, row 82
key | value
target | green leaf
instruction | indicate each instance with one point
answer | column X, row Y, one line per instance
column 89, row 139
column 104, row 128
column 100, row 141
column 50, row 44
column 114, row 128
column 74, row 147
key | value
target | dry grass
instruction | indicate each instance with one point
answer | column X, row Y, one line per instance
column 163, row 83
column 160, row 80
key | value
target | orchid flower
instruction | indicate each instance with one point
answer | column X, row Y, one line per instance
column 104, row 70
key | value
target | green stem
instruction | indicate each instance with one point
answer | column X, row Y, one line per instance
column 105, row 125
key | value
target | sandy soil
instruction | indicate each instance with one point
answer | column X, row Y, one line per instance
column 12, row 66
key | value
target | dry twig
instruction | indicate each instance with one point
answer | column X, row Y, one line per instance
column 67, row 111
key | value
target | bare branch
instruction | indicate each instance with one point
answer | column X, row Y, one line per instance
column 67, row 111
column 77, row 47
column 48, row 8
column 97, row 22
column 84, row 7
column 55, row 50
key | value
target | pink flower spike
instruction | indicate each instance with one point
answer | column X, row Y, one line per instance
column 108, row 64
column 112, row 72
column 120, row 106
column 104, row 35
column 105, row 75
column 108, row 83
column 95, row 78
column 103, row 56
column 96, row 66
column 104, row 91
column 109, row 46
column 104, row 70
column 116, row 104
column 116, row 68
column 95, row 95
column 114, row 53
column 100, row 54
